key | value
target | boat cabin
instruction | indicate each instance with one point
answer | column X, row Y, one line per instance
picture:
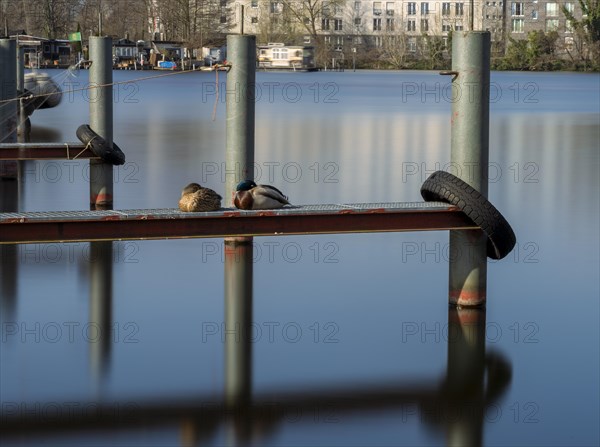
column 291, row 57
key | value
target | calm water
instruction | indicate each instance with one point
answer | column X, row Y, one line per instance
column 364, row 317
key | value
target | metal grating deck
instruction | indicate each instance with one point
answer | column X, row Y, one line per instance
column 70, row 226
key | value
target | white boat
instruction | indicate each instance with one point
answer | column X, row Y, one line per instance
column 46, row 93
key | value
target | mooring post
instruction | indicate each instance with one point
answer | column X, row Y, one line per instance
column 239, row 156
column 8, row 110
column 101, row 119
column 23, row 131
column 469, row 157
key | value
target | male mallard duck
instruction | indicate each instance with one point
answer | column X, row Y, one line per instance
column 250, row 196
column 195, row 198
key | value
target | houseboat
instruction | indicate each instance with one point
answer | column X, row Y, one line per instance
column 277, row 56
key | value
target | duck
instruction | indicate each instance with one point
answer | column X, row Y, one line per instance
column 250, row 196
column 195, row 198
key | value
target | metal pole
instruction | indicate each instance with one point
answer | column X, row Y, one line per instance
column 239, row 156
column 101, row 120
column 8, row 110
column 22, row 134
column 469, row 157
column 9, row 256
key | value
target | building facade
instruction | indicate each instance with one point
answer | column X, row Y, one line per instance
column 351, row 25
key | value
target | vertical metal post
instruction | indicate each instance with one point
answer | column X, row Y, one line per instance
column 9, row 256
column 8, row 110
column 469, row 157
column 240, row 96
column 101, row 119
column 22, row 134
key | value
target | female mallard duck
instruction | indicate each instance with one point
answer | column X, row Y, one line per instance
column 195, row 198
column 250, row 196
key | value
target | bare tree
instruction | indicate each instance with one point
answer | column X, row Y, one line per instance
column 313, row 16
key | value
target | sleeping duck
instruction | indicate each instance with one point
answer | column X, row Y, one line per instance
column 195, row 198
column 250, row 196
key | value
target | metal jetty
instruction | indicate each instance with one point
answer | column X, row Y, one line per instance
column 75, row 226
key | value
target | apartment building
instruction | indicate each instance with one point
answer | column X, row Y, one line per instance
column 348, row 25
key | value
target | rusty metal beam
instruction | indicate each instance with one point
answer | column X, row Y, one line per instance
column 39, row 227
column 45, row 151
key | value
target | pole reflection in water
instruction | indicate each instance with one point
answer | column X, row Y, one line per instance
column 238, row 348
column 101, row 279
column 9, row 254
column 456, row 405
column 465, row 376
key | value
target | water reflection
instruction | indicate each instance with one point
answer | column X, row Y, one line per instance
column 456, row 404
column 100, row 296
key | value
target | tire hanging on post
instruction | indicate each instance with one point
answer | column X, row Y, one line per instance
column 445, row 187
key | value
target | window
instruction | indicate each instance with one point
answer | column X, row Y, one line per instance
column 424, row 25
column 458, row 26
column 389, row 9
column 569, row 41
column 412, row 8
column 357, row 6
column 552, row 9
column 446, row 27
column 568, row 26
column 445, row 9
column 276, row 7
column 517, row 9
column 424, row 8
column 357, row 21
column 327, row 39
column 223, row 3
column 551, row 25
column 570, row 7
column 306, row 39
column 459, row 9
column 254, row 20
column 376, row 24
column 389, row 24
column 280, row 53
column 412, row 44
column 223, row 19
column 337, row 24
column 411, row 25
column 325, row 24
column 534, row 14
column 357, row 40
column 377, row 8
column 254, row 3
column 517, row 25
column 378, row 41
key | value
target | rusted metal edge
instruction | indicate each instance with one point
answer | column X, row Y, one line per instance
column 45, row 151
column 228, row 224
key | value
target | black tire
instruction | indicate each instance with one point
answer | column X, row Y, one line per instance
column 99, row 147
column 445, row 187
